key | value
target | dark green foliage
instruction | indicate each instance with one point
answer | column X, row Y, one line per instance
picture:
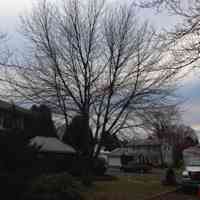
column 13, row 185
column 170, row 177
column 99, row 166
column 17, row 160
column 54, row 187
column 125, row 159
column 15, row 153
column 110, row 142
column 42, row 123
column 49, row 162
column 79, row 135
column 78, row 166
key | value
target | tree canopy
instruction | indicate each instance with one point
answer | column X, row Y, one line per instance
column 93, row 59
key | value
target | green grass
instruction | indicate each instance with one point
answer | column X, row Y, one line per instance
column 127, row 188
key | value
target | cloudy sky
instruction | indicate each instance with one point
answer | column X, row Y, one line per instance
column 189, row 90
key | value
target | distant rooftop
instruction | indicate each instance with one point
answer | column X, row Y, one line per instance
column 144, row 142
column 120, row 151
column 9, row 106
column 195, row 150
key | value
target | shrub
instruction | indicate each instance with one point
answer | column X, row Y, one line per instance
column 179, row 164
column 12, row 185
column 54, row 187
column 79, row 135
column 170, row 177
column 15, row 152
column 99, row 166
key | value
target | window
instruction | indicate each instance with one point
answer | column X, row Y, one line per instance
column 1, row 119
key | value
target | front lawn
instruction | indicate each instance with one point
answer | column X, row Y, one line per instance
column 121, row 187
column 127, row 188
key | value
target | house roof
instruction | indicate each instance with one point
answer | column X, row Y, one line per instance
column 120, row 151
column 195, row 150
column 144, row 142
column 51, row 144
column 8, row 106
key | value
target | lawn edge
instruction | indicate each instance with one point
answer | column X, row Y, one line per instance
column 161, row 194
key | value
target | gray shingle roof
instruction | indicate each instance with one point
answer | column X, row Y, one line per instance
column 120, row 151
column 144, row 142
column 9, row 106
column 51, row 144
column 195, row 150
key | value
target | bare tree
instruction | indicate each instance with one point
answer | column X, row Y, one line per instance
column 93, row 60
column 4, row 51
column 165, row 125
column 184, row 37
column 181, row 137
column 159, row 122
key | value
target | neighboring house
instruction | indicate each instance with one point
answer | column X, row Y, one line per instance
column 104, row 154
column 114, row 157
column 191, row 156
column 13, row 117
column 143, row 151
column 152, row 151
column 147, row 151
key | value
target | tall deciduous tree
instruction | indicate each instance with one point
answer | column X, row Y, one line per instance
column 160, row 122
column 184, row 36
column 4, row 51
column 94, row 60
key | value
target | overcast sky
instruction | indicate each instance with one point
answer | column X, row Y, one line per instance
column 190, row 90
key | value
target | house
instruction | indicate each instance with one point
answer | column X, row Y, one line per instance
column 53, row 154
column 51, row 144
column 114, row 157
column 147, row 151
column 142, row 151
column 13, row 117
column 191, row 156
column 32, row 122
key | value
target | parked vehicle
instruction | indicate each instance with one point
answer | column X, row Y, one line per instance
column 191, row 174
column 135, row 167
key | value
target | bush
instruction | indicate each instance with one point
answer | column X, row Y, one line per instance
column 54, row 187
column 170, row 177
column 13, row 185
column 15, row 153
column 99, row 166
column 179, row 164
